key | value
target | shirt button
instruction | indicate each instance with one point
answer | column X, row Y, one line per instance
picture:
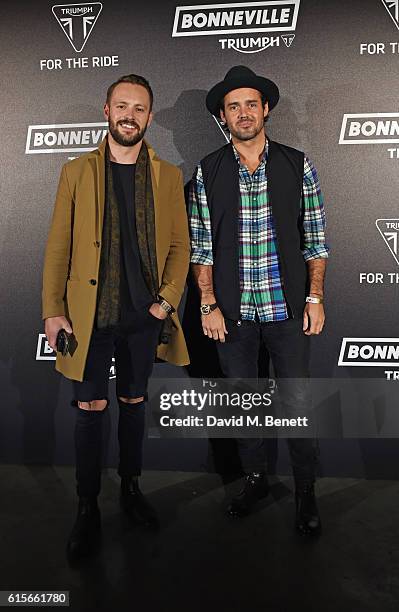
column 93, row 281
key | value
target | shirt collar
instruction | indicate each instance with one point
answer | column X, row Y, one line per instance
column 264, row 157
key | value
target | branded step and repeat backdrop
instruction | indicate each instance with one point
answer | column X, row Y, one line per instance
column 336, row 64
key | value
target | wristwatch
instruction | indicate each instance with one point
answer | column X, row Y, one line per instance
column 165, row 305
column 208, row 308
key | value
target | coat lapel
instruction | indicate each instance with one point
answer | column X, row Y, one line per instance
column 99, row 161
column 156, row 194
column 155, row 173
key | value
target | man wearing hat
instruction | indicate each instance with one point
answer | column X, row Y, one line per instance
column 258, row 258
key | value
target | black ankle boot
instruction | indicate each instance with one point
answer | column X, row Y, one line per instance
column 135, row 504
column 86, row 532
column 255, row 488
column 307, row 515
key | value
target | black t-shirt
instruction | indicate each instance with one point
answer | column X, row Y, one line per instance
column 134, row 292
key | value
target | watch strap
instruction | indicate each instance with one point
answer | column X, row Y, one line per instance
column 165, row 305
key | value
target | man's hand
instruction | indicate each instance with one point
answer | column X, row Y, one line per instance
column 52, row 326
column 214, row 326
column 158, row 312
column 313, row 319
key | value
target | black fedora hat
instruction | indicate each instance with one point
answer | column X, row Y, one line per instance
column 241, row 76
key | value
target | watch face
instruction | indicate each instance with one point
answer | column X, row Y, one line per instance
column 205, row 309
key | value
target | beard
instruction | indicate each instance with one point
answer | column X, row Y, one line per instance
column 126, row 140
column 246, row 133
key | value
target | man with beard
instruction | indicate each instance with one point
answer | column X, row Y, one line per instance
column 258, row 257
column 115, row 268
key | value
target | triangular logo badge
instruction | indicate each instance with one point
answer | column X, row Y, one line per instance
column 389, row 230
column 288, row 38
column 392, row 7
column 77, row 21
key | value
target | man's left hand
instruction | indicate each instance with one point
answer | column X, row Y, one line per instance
column 313, row 319
column 158, row 312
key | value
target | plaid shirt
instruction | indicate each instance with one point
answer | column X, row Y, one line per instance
column 260, row 270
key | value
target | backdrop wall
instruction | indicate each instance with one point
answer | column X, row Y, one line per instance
column 336, row 65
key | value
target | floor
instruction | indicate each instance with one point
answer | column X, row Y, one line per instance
column 201, row 560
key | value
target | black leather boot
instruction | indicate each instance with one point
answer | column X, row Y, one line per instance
column 308, row 521
column 135, row 504
column 255, row 488
column 86, row 532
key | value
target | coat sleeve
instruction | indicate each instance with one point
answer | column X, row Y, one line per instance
column 58, row 250
column 177, row 262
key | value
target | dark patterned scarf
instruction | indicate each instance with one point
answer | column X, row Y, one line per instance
column 108, row 302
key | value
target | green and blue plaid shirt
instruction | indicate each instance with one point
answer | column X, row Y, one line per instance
column 260, row 271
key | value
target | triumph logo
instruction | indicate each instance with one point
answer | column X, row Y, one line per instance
column 392, row 7
column 240, row 18
column 369, row 352
column 65, row 138
column 389, row 229
column 378, row 47
column 370, row 128
column 77, row 21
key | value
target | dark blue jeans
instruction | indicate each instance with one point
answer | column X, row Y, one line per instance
column 289, row 350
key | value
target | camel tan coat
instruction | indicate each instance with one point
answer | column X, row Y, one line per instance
column 72, row 259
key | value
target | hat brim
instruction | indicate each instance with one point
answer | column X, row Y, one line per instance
column 265, row 86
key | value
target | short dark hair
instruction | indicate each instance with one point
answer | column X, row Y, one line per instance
column 134, row 79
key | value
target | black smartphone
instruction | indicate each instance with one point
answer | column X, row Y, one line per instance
column 63, row 342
